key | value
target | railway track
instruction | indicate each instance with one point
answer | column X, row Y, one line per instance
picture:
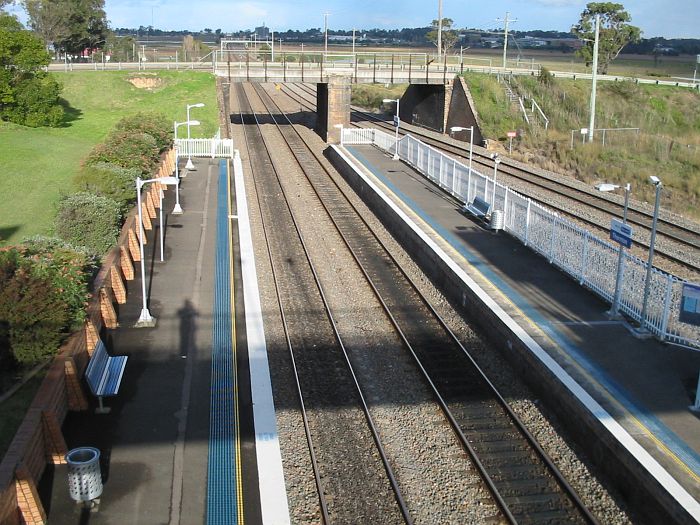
column 678, row 244
column 349, row 478
column 520, row 477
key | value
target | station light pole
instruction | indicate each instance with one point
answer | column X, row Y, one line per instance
column 189, row 165
column 146, row 320
column 177, row 210
column 614, row 312
column 496, row 161
column 650, row 262
column 397, row 123
column 594, row 76
column 470, row 129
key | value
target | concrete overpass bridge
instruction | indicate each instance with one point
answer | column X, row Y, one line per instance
column 435, row 97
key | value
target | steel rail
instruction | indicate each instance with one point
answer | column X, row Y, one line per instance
column 553, row 470
column 370, row 422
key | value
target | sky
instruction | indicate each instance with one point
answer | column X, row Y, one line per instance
column 667, row 18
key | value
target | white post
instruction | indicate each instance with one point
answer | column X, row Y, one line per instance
column 650, row 262
column 145, row 319
column 591, row 124
column 160, row 193
column 272, row 59
column 615, row 310
column 471, row 147
column 325, row 30
column 439, row 35
column 354, row 58
column 177, row 210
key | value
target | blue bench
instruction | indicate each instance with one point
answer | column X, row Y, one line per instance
column 104, row 374
column 479, row 208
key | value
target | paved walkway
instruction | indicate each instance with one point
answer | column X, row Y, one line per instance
column 647, row 385
column 154, row 443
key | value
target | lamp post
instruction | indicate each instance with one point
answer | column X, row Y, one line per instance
column 189, row 165
column 614, row 312
column 177, row 210
column 146, row 319
column 647, row 283
column 397, row 123
column 470, row 129
column 594, row 77
column 496, row 161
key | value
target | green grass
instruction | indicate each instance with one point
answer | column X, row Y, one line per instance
column 39, row 163
column 668, row 144
column 12, row 410
column 370, row 96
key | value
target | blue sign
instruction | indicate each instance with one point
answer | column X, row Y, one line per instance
column 621, row 233
column 690, row 304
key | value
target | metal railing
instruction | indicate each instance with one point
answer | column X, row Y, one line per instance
column 212, row 148
column 588, row 259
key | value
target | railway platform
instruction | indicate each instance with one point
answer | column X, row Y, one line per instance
column 647, row 386
column 178, row 445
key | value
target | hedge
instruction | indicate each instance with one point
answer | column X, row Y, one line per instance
column 89, row 220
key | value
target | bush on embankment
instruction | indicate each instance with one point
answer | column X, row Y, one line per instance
column 43, row 293
column 89, row 220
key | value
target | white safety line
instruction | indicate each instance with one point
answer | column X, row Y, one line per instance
column 273, row 493
column 624, row 438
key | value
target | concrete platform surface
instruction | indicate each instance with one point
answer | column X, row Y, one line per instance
column 154, row 443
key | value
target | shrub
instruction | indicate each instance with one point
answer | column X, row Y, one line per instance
column 109, row 180
column 89, row 220
column 68, row 268
column 545, row 77
column 33, row 312
column 154, row 124
column 127, row 150
column 36, row 102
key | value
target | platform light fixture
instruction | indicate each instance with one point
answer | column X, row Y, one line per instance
column 397, row 123
column 189, row 165
column 470, row 129
column 146, row 320
column 177, row 210
column 650, row 262
column 496, row 161
column 615, row 309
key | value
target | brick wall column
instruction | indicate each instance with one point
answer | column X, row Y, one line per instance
column 30, row 508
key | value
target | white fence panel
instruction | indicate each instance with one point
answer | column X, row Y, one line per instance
column 588, row 259
column 205, row 148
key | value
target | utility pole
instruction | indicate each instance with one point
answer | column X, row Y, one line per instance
column 353, row 42
column 325, row 30
column 439, row 42
column 506, row 21
column 591, row 124
column 273, row 45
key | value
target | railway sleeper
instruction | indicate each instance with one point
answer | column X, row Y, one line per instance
column 517, row 473
column 551, row 517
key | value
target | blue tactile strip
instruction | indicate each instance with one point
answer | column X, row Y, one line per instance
column 649, row 420
column 223, row 478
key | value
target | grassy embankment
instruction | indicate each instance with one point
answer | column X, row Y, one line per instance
column 39, row 163
column 668, row 144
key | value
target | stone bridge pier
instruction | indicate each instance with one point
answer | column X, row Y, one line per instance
column 333, row 107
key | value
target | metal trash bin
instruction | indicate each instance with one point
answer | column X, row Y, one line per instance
column 497, row 220
column 84, row 476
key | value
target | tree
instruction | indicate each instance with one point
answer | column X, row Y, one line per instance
column 615, row 32
column 28, row 95
column 68, row 25
column 449, row 36
column 48, row 19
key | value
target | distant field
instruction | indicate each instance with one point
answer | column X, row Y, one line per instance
column 39, row 163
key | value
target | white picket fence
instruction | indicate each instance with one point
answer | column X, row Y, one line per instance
column 586, row 258
column 216, row 147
